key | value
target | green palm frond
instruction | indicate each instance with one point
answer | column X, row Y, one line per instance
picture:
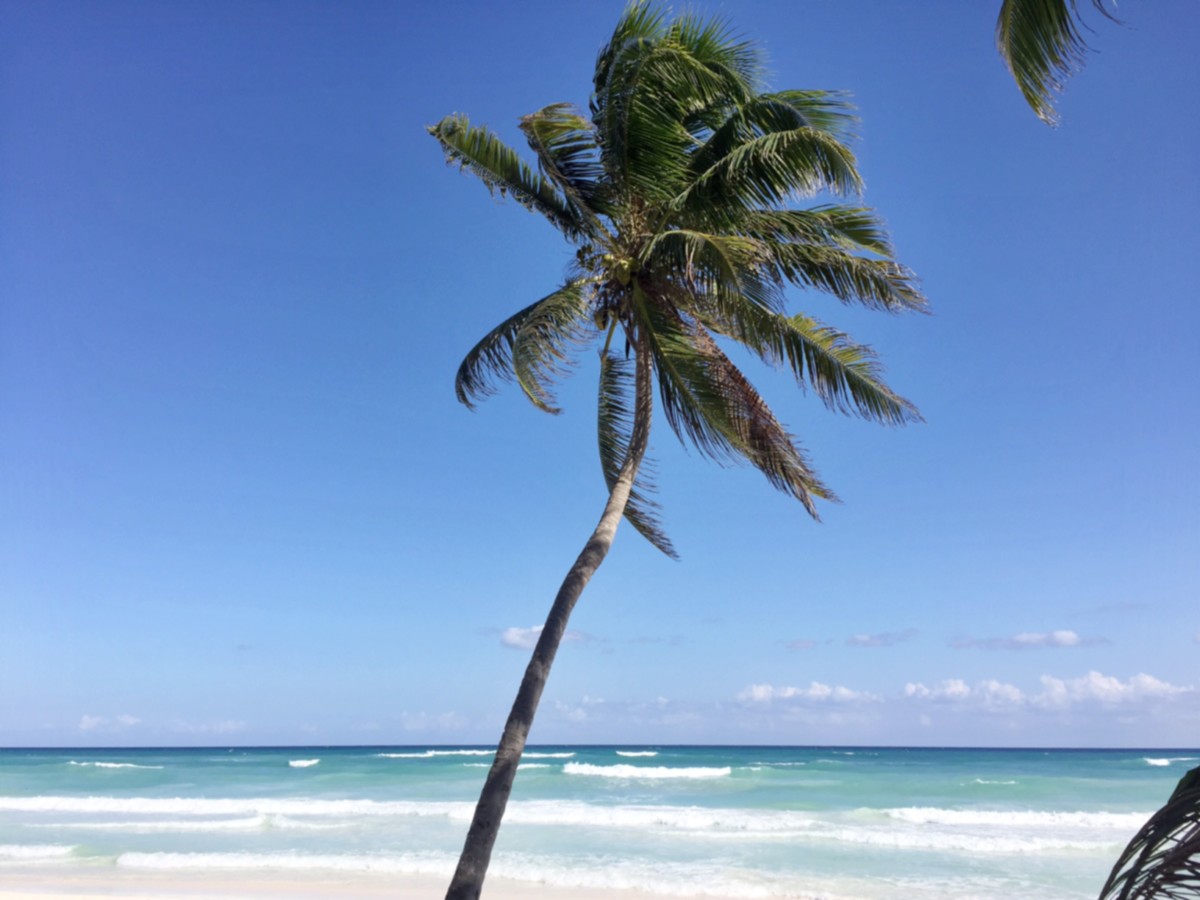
column 847, row 376
column 639, row 23
column 825, row 111
column 652, row 91
column 615, row 426
column 714, row 44
column 848, row 227
column 650, row 81
column 479, row 151
column 677, row 187
column 532, row 346
column 699, row 258
column 1162, row 862
column 828, row 111
column 875, row 283
column 709, row 403
column 769, row 169
column 567, row 154
column 1042, row 44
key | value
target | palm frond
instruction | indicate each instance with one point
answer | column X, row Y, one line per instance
column 615, row 427
column 825, row 111
column 709, row 403
column 768, row 169
column 1042, row 44
column 713, row 43
column 852, row 228
column 846, row 376
column 568, row 155
column 532, row 347
column 699, row 257
column 875, row 283
column 828, row 111
column 653, row 88
column 640, row 22
column 1162, row 862
column 650, row 81
column 478, row 150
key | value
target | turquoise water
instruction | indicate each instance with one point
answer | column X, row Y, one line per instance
column 709, row 821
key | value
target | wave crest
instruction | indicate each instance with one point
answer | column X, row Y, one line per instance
column 654, row 772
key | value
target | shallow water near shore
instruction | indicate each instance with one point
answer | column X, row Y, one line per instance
column 671, row 821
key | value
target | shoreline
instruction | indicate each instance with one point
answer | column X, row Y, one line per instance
column 30, row 883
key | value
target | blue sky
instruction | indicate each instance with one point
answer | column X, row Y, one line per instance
column 240, row 504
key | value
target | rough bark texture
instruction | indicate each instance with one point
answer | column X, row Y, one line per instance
column 481, row 837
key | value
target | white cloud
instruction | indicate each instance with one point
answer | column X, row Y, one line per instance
column 816, row 692
column 1056, row 693
column 950, row 689
column 521, row 638
column 883, row 639
column 1099, row 688
column 128, row 720
column 527, row 638
column 91, row 723
column 1028, row 640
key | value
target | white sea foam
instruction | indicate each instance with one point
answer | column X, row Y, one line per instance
column 926, row 815
column 958, row 840
column 302, row 763
column 691, row 879
column 536, row 755
column 407, row 863
column 1167, row 760
column 430, row 754
column 31, row 852
column 658, row 818
column 637, row 753
column 150, row 826
column 650, row 772
column 987, row 781
column 250, row 806
column 534, row 766
column 112, row 765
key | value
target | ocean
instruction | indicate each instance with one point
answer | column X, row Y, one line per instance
column 851, row 823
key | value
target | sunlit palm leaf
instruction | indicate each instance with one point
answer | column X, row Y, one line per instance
column 500, row 169
column 876, row 283
column 615, row 426
column 825, row 111
column 1042, row 44
column 699, row 258
column 846, row 376
column 532, row 347
column 1163, row 859
column 768, row 169
column 711, row 404
column 850, row 227
column 567, row 155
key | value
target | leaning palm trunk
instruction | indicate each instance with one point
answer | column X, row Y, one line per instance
column 489, row 811
column 677, row 193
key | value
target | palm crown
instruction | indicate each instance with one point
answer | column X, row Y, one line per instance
column 676, row 192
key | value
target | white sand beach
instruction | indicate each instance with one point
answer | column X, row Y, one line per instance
column 116, row 885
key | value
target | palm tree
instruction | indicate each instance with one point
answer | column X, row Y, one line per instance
column 1163, row 859
column 1042, row 44
column 675, row 191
